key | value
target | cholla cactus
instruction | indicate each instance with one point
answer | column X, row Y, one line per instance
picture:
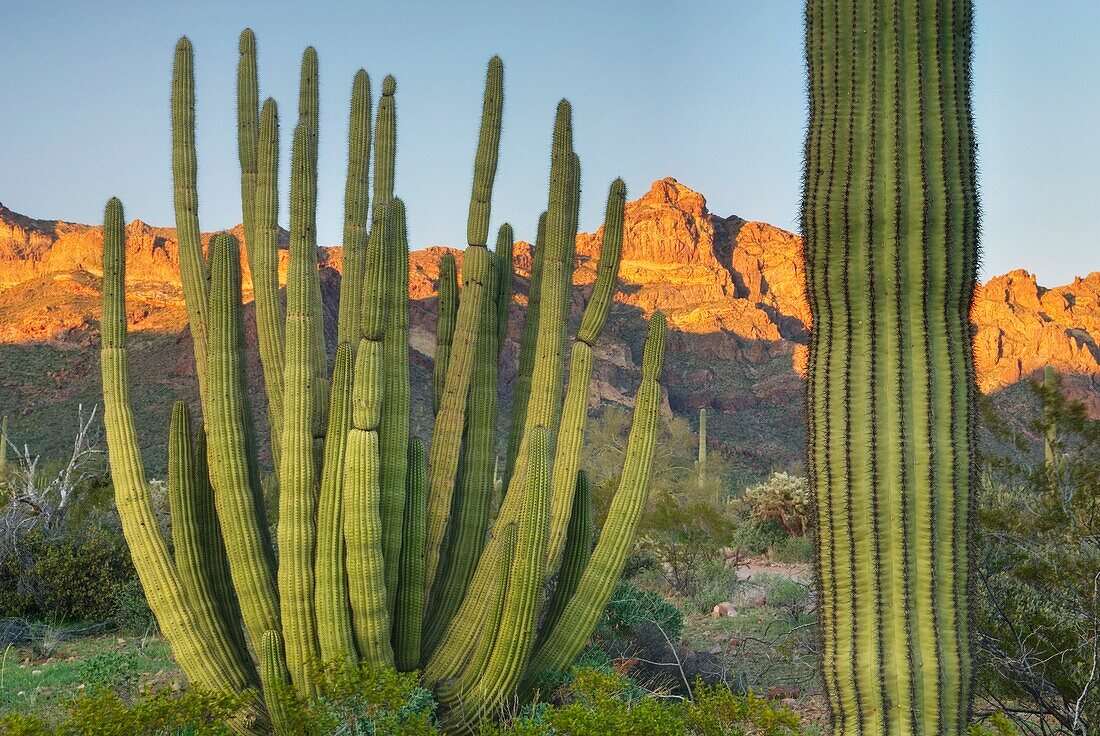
column 782, row 498
column 386, row 555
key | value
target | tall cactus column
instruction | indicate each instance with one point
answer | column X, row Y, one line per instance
column 890, row 221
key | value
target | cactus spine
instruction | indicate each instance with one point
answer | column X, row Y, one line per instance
column 890, row 221
column 372, row 534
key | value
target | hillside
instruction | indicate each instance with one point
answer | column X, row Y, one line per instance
column 731, row 288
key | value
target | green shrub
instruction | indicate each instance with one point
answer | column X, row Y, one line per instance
column 718, row 583
column 757, row 539
column 793, row 549
column 1037, row 567
column 599, row 703
column 717, row 711
column 160, row 712
column 631, row 608
column 73, row 576
column 683, row 534
column 110, row 670
column 358, row 701
column 131, row 610
column 997, row 724
column 789, row 596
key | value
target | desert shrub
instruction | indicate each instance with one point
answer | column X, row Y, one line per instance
column 718, row 583
column 783, row 499
column 997, row 724
column 791, row 597
column 360, row 702
column 131, row 609
column 158, row 712
column 632, row 608
column 75, row 575
column 598, row 703
column 718, row 711
column 683, row 534
column 756, row 539
column 1038, row 576
column 112, row 670
column 793, row 549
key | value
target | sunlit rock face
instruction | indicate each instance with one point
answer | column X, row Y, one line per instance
column 732, row 289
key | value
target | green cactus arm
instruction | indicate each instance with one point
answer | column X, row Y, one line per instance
column 363, row 533
column 506, row 274
column 193, row 270
column 564, row 642
column 409, row 611
column 442, row 669
column 445, row 326
column 378, row 291
column 394, row 438
column 545, row 393
column 385, row 146
column 297, row 476
column 701, row 463
column 483, row 689
column 476, row 267
column 248, row 132
column 356, row 211
column 236, row 491
column 544, row 402
column 574, row 415
column 488, row 150
column 309, row 99
column 470, row 505
column 263, row 262
column 215, row 560
column 889, row 217
column 607, row 270
column 199, row 553
column 578, row 550
column 443, row 455
column 185, row 633
column 374, row 311
column 334, row 632
column 528, row 338
column 309, row 116
column 278, row 693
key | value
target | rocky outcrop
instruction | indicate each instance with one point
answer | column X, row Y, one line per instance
column 732, row 289
column 1023, row 327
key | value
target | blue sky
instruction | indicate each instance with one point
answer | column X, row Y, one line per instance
column 711, row 93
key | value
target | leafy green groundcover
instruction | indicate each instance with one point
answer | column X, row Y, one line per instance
column 594, row 702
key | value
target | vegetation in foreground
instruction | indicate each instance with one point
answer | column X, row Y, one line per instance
column 1038, row 556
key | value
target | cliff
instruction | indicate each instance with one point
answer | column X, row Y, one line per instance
column 732, row 290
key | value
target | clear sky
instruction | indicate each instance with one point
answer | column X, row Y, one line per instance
column 708, row 91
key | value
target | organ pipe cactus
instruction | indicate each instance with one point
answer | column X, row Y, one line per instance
column 890, row 220
column 386, row 554
column 701, row 463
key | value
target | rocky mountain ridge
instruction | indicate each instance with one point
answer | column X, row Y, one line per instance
column 732, row 290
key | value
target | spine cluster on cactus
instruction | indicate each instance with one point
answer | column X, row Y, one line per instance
column 385, row 551
column 890, row 221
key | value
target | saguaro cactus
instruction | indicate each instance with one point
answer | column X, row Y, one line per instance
column 890, row 221
column 386, row 555
column 701, row 462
